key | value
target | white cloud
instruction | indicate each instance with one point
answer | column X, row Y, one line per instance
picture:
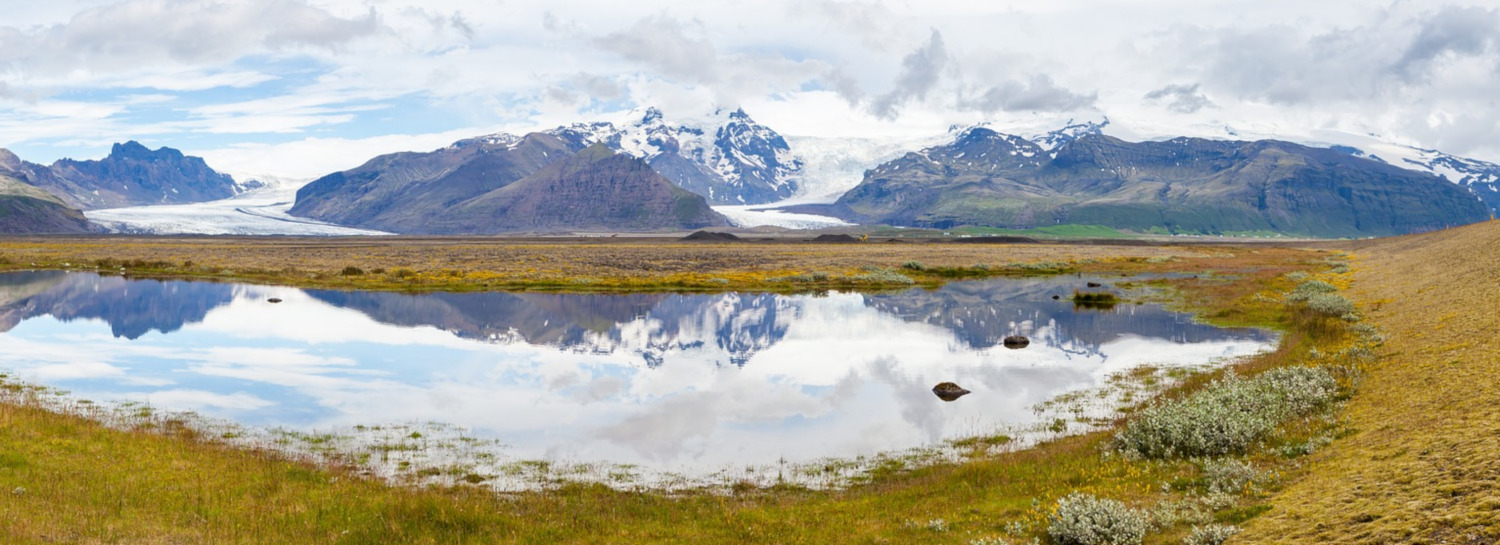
column 124, row 35
column 321, row 72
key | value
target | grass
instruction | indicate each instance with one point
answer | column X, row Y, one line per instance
column 589, row 264
column 82, row 481
column 1049, row 231
column 1420, row 465
column 1095, row 299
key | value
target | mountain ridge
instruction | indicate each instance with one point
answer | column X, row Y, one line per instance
column 131, row 175
column 496, row 184
column 1189, row 185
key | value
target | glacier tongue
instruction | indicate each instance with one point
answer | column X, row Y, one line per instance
column 261, row 211
column 769, row 216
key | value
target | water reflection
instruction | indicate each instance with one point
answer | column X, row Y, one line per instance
column 676, row 382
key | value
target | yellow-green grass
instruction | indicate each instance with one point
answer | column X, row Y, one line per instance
column 1423, row 464
column 67, row 479
column 462, row 264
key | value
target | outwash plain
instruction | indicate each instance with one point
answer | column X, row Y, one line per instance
column 1386, row 425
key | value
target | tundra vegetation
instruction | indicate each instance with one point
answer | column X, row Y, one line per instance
column 1154, row 473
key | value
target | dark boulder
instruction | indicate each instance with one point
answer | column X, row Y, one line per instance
column 840, row 239
column 711, row 236
column 1016, row 342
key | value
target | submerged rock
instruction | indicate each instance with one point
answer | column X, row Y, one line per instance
column 948, row 391
column 1016, row 342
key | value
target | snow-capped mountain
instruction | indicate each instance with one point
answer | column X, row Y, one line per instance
column 1482, row 178
column 726, row 157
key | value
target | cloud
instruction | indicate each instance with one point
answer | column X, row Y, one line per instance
column 1453, row 31
column 872, row 22
column 1037, row 94
column 920, row 72
column 1382, row 60
column 125, row 35
column 671, row 50
column 662, row 43
column 1180, row 98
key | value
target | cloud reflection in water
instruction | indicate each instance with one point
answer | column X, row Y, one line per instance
column 666, row 381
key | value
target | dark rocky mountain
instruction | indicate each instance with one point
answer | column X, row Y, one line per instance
column 402, row 192
column 537, row 183
column 1481, row 177
column 27, row 209
column 727, row 157
column 1184, row 185
column 131, row 175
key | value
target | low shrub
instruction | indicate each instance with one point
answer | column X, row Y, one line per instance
column 1094, row 300
column 876, row 275
column 913, row 266
column 352, row 271
column 1082, row 519
column 1038, row 267
column 1097, row 297
column 1308, row 289
column 1231, row 476
column 1228, row 415
column 1213, row 534
column 1331, row 304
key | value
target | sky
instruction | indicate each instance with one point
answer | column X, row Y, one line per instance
column 300, row 88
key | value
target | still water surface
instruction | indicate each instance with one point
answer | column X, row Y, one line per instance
column 679, row 383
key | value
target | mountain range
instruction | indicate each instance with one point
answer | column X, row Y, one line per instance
column 132, row 175
column 1183, row 185
column 1067, row 172
column 536, row 183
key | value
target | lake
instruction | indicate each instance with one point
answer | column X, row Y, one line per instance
column 636, row 388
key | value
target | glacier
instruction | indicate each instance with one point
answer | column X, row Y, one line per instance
column 260, row 211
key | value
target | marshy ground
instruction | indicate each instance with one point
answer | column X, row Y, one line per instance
column 1408, row 453
column 581, row 264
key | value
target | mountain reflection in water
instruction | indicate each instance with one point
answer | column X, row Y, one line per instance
column 667, row 381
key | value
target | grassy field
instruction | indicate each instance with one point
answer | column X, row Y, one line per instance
column 1423, row 465
column 557, row 264
column 64, row 478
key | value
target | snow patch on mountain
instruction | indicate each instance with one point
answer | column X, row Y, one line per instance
column 725, row 156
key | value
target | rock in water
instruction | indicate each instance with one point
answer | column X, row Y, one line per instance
column 1016, row 342
column 273, row 300
column 948, row 391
